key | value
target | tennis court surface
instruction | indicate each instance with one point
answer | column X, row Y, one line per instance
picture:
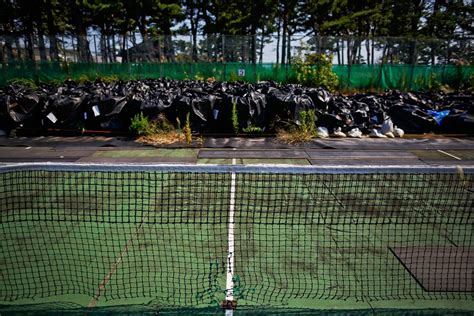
column 85, row 237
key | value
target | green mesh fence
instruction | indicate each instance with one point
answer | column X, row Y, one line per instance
column 382, row 77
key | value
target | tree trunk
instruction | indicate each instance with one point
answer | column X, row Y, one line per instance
column 283, row 42
column 42, row 47
column 124, row 49
column 53, row 48
column 103, row 47
column 262, row 43
column 288, row 45
column 194, row 45
column 349, row 51
column 30, row 46
column 278, row 43
column 342, row 52
column 158, row 48
column 367, row 48
column 18, row 48
column 83, row 49
column 52, row 31
column 169, row 48
column 9, row 48
column 254, row 44
column 193, row 21
column 114, row 55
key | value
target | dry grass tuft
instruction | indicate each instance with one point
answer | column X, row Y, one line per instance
column 162, row 138
column 294, row 136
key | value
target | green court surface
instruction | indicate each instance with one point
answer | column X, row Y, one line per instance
column 176, row 152
column 445, row 154
column 160, row 240
column 254, row 161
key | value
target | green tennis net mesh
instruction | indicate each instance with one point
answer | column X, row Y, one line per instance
column 92, row 234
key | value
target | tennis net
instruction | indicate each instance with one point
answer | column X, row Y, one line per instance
column 201, row 235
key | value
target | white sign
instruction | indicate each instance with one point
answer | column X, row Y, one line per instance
column 96, row 111
column 241, row 72
column 52, row 117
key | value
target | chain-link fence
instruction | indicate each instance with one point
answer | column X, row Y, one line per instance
column 380, row 63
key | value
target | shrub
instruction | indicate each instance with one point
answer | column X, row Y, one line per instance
column 315, row 70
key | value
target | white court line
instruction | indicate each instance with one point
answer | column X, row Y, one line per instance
column 448, row 154
column 229, row 284
column 114, row 266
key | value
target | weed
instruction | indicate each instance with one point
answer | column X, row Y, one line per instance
column 107, row 79
column 159, row 131
column 27, row 83
column 187, row 130
column 141, row 125
column 252, row 130
column 83, row 79
column 235, row 118
column 304, row 132
column 200, row 141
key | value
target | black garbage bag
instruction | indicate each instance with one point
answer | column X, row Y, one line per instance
column 221, row 122
column 63, row 111
column 287, row 106
column 458, row 123
column 202, row 112
column 255, row 106
column 25, row 109
column 330, row 121
column 412, row 119
column 105, row 113
column 6, row 123
column 320, row 97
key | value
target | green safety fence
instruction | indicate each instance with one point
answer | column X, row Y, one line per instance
column 362, row 77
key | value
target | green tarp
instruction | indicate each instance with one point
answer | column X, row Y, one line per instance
column 378, row 77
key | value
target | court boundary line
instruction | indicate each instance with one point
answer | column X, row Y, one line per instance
column 448, row 154
column 231, row 240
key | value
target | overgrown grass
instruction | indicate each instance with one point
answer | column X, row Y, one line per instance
column 301, row 133
column 159, row 131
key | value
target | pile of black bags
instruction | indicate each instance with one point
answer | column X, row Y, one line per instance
column 264, row 105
